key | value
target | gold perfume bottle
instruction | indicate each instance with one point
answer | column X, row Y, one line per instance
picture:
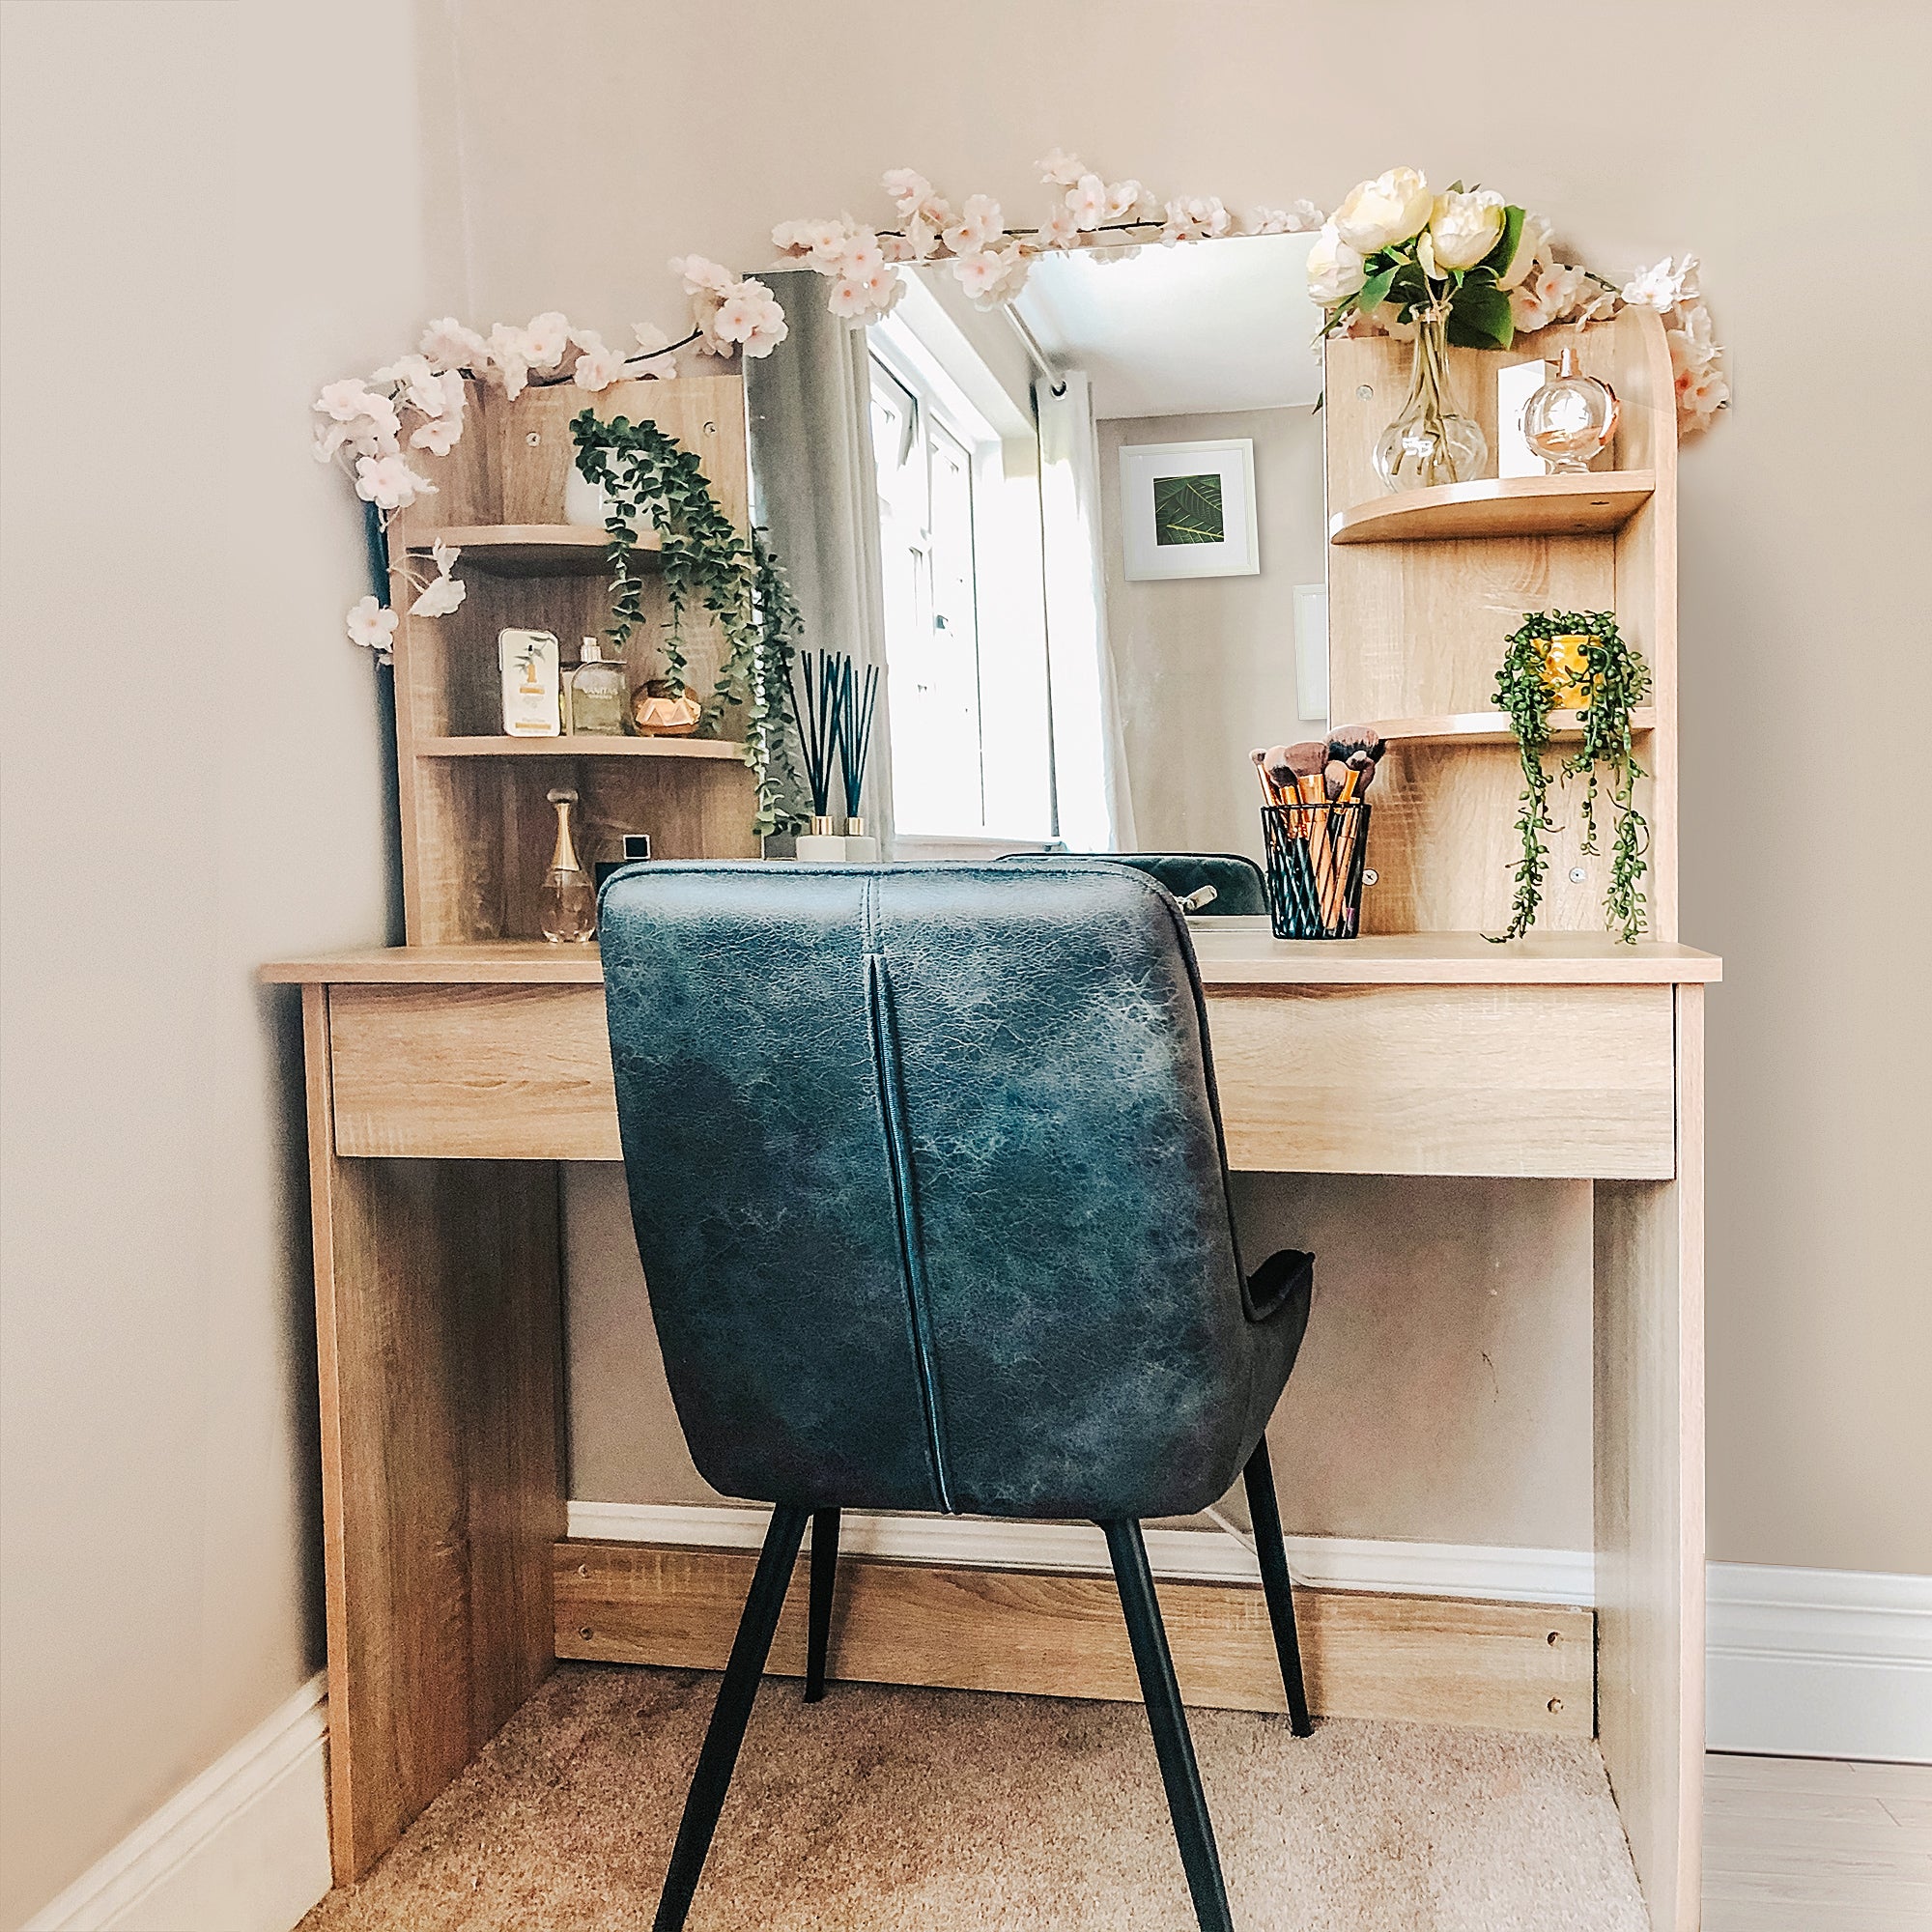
column 599, row 695
column 569, row 907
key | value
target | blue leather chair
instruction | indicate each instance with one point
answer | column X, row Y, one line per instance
column 1240, row 886
column 929, row 1182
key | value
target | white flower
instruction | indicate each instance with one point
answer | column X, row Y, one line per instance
column 907, row 187
column 1697, row 367
column 1061, row 229
column 979, row 226
column 654, row 342
column 390, row 483
column 860, row 298
column 597, row 367
column 1464, row 227
column 1194, row 218
column 422, row 389
column 548, row 336
column 352, row 413
column 1547, row 296
column 700, row 274
column 1060, row 167
column 1532, row 247
column 818, row 244
column 372, row 627
column 443, row 555
column 1268, row 221
column 749, row 317
column 922, row 237
column 439, row 597
column 1425, row 257
column 1390, row 208
column 1335, row 271
column 1087, row 201
column 509, row 359
column 439, row 436
column 448, row 345
column 1700, row 398
column 1127, row 201
column 860, row 256
column 1664, row 286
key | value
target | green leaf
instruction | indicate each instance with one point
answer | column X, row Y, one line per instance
column 1375, row 290
column 1498, row 259
column 1480, row 317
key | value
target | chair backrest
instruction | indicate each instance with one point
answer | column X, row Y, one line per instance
column 929, row 1182
column 1241, row 886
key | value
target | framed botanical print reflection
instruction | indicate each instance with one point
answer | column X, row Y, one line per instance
column 1187, row 509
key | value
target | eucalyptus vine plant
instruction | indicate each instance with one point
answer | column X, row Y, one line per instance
column 649, row 477
column 1616, row 680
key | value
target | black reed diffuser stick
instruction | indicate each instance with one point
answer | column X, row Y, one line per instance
column 818, row 710
column 855, row 731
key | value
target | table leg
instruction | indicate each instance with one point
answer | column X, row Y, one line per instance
column 439, row 1338
column 1650, row 1500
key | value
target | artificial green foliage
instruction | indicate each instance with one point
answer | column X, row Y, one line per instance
column 1617, row 680
column 644, row 476
column 1187, row 509
column 1476, row 310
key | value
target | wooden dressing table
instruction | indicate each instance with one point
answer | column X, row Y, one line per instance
column 446, row 1080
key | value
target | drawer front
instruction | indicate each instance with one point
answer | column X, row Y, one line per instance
column 472, row 1072
column 1570, row 1082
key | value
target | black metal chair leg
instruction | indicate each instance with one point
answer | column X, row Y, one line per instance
column 730, row 1714
column 1178, row 1771
column 818, row 1629
column 1266, row 1517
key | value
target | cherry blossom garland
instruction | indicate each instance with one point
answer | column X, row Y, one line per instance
column 362, row 424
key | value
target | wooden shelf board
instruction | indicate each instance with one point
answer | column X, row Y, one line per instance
column 1491, row 728
column 585, row 747
column 1509, row 507
column 1232, row 952
column 533, row 549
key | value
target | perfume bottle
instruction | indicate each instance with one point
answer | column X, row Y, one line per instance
column 569, row 905
column 1571, row 419
column 598, row 695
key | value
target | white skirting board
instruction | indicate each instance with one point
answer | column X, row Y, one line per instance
column 244, row 1848
column 1802, row 1663
column 1819, row 1664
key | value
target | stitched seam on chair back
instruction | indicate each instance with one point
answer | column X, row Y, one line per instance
column 884, row 1031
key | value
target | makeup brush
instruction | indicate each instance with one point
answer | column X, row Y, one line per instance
column 1363, row 766
column 1270, row 791
column 1308, row 763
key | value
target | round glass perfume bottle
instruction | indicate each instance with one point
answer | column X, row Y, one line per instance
column 1571, row 419
column 568, row 907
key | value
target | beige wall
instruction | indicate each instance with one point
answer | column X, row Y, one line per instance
column 208, row 210
column 1780, row 142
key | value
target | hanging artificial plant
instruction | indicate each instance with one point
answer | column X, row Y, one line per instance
column 645, row 474
column 1615, row 680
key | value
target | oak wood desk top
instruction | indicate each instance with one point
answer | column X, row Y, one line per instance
column 1232, row 952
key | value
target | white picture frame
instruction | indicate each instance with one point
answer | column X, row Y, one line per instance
column 1151, row 515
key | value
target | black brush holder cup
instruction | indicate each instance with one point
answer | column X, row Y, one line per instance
column 1314, row 859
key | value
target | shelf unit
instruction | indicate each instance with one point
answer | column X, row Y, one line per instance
column 1425, row 588
column 477, row 830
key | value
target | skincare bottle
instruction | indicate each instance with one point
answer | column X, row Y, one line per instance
column 599, row 695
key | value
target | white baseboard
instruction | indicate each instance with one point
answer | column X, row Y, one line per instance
column 1819, row 1664
column 244, row 1848
column 1203, row 1555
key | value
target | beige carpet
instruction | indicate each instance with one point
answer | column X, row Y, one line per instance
column 885, row 1809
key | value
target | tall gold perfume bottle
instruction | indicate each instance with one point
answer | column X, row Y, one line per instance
column 569, row 908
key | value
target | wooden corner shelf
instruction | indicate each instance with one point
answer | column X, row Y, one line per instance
column 583, row 746
column 536, row 550
column 1509, row 507
column 1491, row 728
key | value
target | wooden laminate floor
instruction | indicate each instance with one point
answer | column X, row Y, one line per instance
column 1816, row 1845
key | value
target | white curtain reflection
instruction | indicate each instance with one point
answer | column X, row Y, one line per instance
column 1096, row 813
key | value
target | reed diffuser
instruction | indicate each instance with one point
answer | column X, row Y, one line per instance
column 832, row 708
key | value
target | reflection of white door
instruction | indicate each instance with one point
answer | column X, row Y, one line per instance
column 932, row 633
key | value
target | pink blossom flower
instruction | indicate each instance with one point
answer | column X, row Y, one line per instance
column 422, row 389
column 750, row 318
column 1126, row 201
column 509, row 359
column 979, row 226
column 698, row 274
column 439, row 597
column 861, row 255
column 922, row 237
column 1303, row 218
column 1546, row 297
column 1194, row 218
column 907, row 187
column 653, row 342
column 372, row 627
column 1087, row 202
column 993, row 275
column 597, row 367
column 352, row 397
column 390, row 483
column 448, row 345
column 357, row 416
column 859, row 298
column 439, row 436
column 547, row 338
column 1060, row 167
column 1061, row 229
column 1663, row 287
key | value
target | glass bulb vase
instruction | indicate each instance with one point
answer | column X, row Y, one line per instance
column 1428, row 445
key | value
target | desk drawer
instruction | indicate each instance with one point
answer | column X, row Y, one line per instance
column 477, row 1072
column 1571, row 1082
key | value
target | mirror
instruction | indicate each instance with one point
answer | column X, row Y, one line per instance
column 1084, row 533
